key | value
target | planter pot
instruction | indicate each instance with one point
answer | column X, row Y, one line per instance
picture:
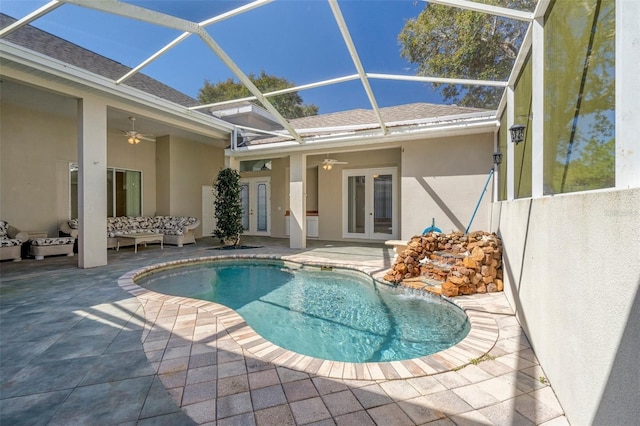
column 232, row 241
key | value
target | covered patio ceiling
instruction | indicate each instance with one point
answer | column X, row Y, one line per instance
column 183, row 23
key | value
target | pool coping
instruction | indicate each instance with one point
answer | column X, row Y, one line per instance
column 482, row 336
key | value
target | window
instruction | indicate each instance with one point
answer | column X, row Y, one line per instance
column 522, row 151
column 579, row 96
column 124, row 192
column 503, row 138
column 255, row 165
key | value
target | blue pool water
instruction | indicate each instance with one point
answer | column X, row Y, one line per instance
column 336, row 315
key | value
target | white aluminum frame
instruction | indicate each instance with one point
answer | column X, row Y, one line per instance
column 188, row 28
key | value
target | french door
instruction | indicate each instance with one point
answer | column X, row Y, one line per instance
column 369, row 204
column 255, row 197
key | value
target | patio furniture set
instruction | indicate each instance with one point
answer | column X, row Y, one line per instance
column 36, row 243
column 121, row 231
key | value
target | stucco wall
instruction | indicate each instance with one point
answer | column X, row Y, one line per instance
column 36, row 148
column 443, row 179
column 330, row 185
column 572, row 273
column 163, row 179
column 279, row 195
column 121, row 154
column 35, row 151
column 192, row 165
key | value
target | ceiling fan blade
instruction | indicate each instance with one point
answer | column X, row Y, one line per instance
column 150, row 138
column 332, row 161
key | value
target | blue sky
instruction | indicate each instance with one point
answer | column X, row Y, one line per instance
column 297, row 40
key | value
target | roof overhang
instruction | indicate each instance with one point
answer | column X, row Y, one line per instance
column 16, row 61
column 429, row 129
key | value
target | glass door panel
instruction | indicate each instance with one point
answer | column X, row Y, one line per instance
column 356, row 204
column 254, row 195
column 124, row 192
column 262, row 207
column 110, row 192
column 382, row 204
column 244, row 201
column 133, row 198
column 369, row 204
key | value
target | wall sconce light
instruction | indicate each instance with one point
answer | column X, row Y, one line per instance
column 497, row 158
column 517, row 133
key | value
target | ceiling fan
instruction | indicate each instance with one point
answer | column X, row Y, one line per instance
column 328, row 163
column 134, row 137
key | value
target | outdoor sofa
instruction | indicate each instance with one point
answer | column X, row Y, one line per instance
column 11, row 240
column 176, row 230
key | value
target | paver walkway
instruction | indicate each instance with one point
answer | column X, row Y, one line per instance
column 79, row 349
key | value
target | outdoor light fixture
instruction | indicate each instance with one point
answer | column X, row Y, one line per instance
column 497, row 158
column 517, row 133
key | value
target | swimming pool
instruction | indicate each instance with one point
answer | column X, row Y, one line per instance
column 334, row 314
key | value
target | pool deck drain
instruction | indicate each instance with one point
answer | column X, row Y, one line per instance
column 204, row 365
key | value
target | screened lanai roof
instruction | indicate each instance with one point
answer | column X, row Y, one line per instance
column 342, row 56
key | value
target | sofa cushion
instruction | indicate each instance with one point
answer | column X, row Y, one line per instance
column 52, row 241
column 4, row 228
column 172, row 232
column 168, row 225
column 9, row 242
column 5, row 241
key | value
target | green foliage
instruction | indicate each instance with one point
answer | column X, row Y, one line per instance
column 449, row 42
column 227, row 205
column 485, row 357
column 579, row 96
column 290, row 105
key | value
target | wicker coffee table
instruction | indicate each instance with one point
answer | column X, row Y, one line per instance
column 141, row 237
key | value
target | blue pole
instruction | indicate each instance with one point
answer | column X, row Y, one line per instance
column 478, row 205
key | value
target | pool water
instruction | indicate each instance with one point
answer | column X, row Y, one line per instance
column 337, row 315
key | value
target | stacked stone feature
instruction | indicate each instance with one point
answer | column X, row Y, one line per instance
column 463, row 264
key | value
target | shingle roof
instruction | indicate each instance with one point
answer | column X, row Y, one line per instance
column 415, row 114
column 55, row 47
column 356, row 117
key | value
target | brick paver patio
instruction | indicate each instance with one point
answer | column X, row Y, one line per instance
column 90, row 347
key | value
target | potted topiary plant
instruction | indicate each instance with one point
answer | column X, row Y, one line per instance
column 228, row 207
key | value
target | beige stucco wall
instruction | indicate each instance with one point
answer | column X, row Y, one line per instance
column 163, row 178
column 443, row 179
column 279, row 195
column 572, row 274
column 191, row 165
column 35, row 151
column 140, row 157
column 330, row 185
column 36, row 148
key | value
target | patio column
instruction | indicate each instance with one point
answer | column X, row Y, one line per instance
column 92, row 183
column 537, row 108
column 627, row 94
column 298, row 201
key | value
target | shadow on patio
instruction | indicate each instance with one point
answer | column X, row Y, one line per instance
column 76, row 348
